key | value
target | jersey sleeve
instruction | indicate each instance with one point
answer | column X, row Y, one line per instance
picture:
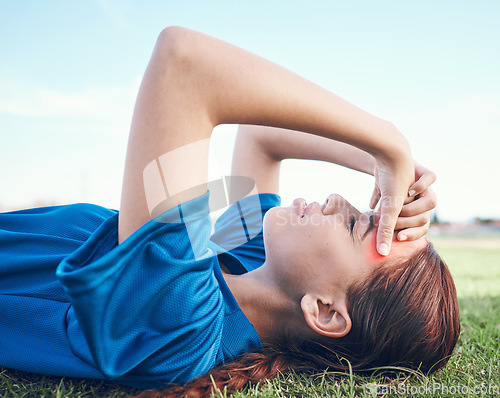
column 150, row 308
column 238, row 232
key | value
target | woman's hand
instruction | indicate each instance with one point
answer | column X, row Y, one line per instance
column 393, row 178
column 414, row 219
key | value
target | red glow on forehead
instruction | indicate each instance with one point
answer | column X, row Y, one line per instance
column 371, row 253
column 410, row 246
column 398, row 249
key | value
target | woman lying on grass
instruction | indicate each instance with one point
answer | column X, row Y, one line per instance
column 138, row 296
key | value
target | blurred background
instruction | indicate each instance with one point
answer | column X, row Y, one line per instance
column 69, row 73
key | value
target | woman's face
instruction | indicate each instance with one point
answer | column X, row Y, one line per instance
column 323, row 245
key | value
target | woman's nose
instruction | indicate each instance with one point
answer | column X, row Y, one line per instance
column 335, row 204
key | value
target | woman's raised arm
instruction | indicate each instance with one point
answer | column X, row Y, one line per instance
column 195, row 82
column 259, row 150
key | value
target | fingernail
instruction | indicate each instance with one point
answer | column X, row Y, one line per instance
column 403, row 237
column 383, row 249
column 411, row 193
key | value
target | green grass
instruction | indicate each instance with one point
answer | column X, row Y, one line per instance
column 472, row 371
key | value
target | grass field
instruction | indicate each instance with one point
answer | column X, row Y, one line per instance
column 473, row 370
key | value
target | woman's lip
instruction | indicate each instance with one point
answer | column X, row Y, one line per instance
column 309, row 207
column 300, row 205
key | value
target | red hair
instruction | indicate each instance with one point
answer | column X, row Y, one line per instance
column 404, row 315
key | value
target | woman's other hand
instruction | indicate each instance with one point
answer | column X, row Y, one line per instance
column 414, row 219
column 393, row 177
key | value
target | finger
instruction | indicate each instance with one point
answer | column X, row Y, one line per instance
column 425, row 202
column 425, row 181
column 389, row 211
column 412, row 233
column 409, row 199
column 375, row 197
column 415, row 221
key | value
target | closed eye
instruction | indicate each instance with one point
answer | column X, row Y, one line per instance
column 370, row 226
column 352, row 224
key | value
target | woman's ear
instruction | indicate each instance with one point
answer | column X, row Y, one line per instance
column 327, row 317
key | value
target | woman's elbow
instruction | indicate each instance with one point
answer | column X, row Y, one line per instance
column 175, row 44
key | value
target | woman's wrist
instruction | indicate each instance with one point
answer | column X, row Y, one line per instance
column 391, row 146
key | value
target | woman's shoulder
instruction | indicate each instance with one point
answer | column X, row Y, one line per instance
column 63, row 208
column 74, row 221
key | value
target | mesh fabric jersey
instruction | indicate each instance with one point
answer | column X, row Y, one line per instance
column 152, row 310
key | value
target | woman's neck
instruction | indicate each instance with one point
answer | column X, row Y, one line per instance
column 264, row 303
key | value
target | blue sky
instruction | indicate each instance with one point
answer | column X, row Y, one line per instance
column 69, row 72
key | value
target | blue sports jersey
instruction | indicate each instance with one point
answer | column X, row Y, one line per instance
column 152, row 310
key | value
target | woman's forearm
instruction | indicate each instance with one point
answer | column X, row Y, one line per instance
column 239, row 87
column 281, row 144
